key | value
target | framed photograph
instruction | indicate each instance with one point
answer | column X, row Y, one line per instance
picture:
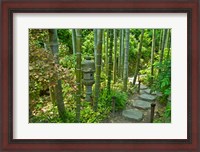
column 100, row 76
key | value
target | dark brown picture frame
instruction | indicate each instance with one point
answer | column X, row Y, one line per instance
column 9, row 7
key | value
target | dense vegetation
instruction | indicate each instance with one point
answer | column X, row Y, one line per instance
column 56, row 88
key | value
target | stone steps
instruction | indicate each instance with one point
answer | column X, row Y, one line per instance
column 148, row 91
column 147, row 97
column 143, row 87
column 140, row 104
column 133, row 114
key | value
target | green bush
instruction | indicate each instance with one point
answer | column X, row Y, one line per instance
column 69, row 61
column 120, row 98
column 162, row 82
column 168, row 112
column 44, row 111
column 88, row 115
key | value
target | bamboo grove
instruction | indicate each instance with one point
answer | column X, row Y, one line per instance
column 122, row 57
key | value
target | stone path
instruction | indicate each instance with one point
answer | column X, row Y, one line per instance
column 141, row 104
column 137, row 109
column 134, row 114
column 147, row 97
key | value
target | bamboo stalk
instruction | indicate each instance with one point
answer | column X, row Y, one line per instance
column 78, row 73
column 125, row 75
column 98, row 67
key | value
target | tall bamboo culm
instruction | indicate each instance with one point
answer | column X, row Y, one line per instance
column 106, row 51
column 126, row 52
column 152, row 54
column 138, row 57
column 78, row 73
column 95, row 44
column 162, row 47
column 53, row 39
column 122, row 52
column 74, row 41
column 98, row 67
column 110, row 61
column 115, row 57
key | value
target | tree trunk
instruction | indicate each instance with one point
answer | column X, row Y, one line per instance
column 122, row 52
column 98, row 67
column 167, row 38
column 119, row 59
column 163, row 44
column 168, row 43
column 125, row 78
column 138, row 58
column 160, row 41
column 53, row 39
column 163, row 47
column 74, row 41
column 152, row 54
column 115, row 57
column 52, row 92
column 106, row 55
column 95, row 44
column 78, row 73
column 110, row 61
column 103, row 48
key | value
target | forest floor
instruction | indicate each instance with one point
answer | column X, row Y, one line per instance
column 118, row 117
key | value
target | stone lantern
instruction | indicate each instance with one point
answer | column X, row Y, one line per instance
column 88, row 69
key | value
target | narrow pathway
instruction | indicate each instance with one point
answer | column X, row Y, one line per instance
column 137, row 108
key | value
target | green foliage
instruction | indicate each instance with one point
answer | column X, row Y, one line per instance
column 164, row 114
column 120, row 101
column 38, row 37
column 41, row 71
column 69, row 61
column 162, row 82
column 147, row 39
column 132, row 89
column 64, row 36
column 145, row 75
column 44, row 111
column 63, row 51
column 88, row 115
column 88, row 44
column 44, row 73
column 145, row 52
column 168, row 112
column 135, row 32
